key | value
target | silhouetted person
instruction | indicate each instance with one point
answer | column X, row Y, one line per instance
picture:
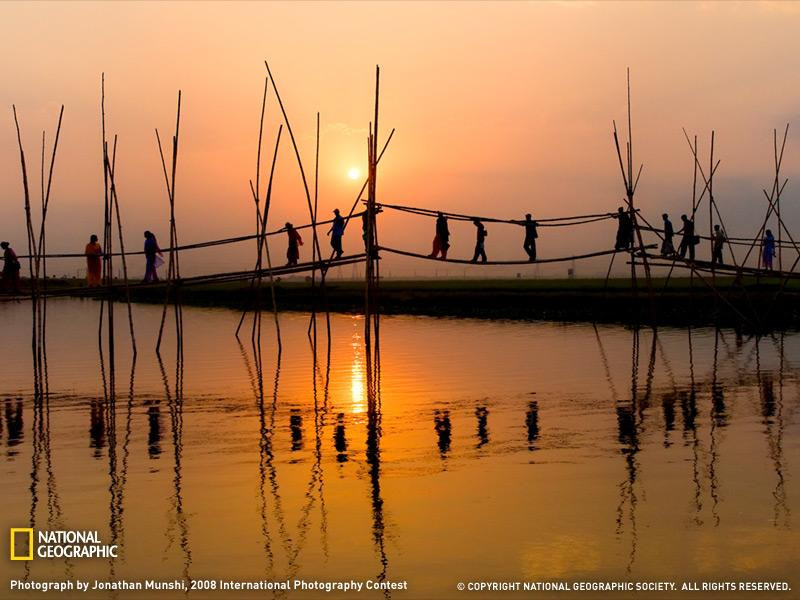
column 15, row 428
column 667, row 246
column 336, row 232
column 296, row 427
column 94, row 262
column 531, row 233
column 152, row 256
column 482, row 413
column 718, row 243
column 443, row 427
column 689, row 240
column 532, row 424
column 365, row 227
column 480, row 240
column 11, row 269
column 441, row 241
column 624, row 230
column 768, row 250
column 97, row 427
column 295, row 241
column 339, row 439
column 154, row 431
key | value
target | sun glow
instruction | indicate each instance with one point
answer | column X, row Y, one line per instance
column 353, row 173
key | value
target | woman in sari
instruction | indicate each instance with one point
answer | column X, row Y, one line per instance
column 11, row 268
column 94, row 263
column 293, row 251
column 152, row 255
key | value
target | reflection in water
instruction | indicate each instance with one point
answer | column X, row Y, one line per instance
column 532, row 424
column 482, row 414
column 444, row 431
column 154, row 433
column 623, row 446
column 15, row 430
column 340, row 439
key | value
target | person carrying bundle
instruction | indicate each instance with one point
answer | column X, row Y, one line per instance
column 441, row 240
column 480, row 238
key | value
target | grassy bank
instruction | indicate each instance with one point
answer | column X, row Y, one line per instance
column 680, row 302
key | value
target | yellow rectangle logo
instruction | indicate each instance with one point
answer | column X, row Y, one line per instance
column 21, row 530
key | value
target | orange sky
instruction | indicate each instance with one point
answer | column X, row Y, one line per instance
column 500, row 109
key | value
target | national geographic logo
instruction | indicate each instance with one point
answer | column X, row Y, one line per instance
column 21, row 543
column 25, row 544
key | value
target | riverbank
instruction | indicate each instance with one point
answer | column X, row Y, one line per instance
column 681, row 301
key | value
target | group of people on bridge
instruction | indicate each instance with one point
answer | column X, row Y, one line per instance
column 441, row 239
column 689, row 239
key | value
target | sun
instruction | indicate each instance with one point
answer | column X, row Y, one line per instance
column 353, row 173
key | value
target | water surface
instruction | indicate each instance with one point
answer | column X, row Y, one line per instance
column 487, row 451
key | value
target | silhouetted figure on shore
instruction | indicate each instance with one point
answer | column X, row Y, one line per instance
column 689, row 240
column 339, row 439
column 154, row 431
column 718, row 240
column 94, row 262
column 15, row 428
column 532, row 424
column 624, row 230
column 295, row 241
column 667, row 246
column 152, row 256
column 768, row 250
column 443, row 427
column 11, row 269
column 480, row 241
column 296, row 427
column 337, row 232
column 531, row 233
column 482, row 413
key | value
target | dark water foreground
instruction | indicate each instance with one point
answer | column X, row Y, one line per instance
column 486, row 451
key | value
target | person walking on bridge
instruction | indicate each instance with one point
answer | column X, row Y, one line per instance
column 441, row 241
column 667, row 247
column 689, row 239
column 718, row 240
column 624, row 230
column 11, row 268
column 153, row 257
column 480, row 239
column 529, row 245
column 767, row 250
column 336, row 232
column 94, row 262
column 295, row 241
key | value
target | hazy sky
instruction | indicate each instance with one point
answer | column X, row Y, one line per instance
column 500, row 109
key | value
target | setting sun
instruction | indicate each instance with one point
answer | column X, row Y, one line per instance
column 353, row 173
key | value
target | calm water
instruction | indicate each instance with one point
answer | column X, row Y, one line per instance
column 493, row 450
